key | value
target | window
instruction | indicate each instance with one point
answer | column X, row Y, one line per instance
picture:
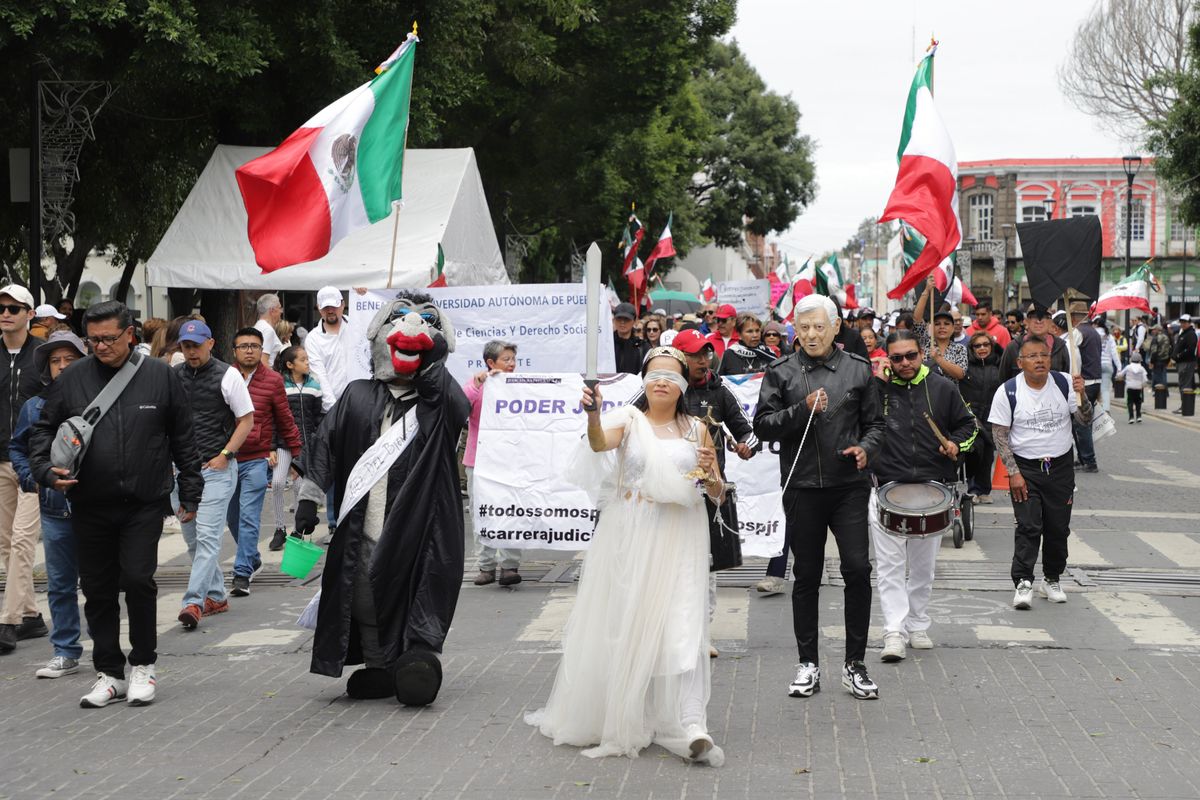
column 1137, row 231
column 1033, row 213
column 1083, row 211
column 1179, row 231
column 981, row 216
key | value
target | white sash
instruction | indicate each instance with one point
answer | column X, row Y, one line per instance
column 375, row 463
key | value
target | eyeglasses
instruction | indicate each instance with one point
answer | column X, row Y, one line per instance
column 107, row 341
column 982, row 345
column 653, row 329
column 900, row 358
column 1036, row 357
column 707, row 313
column 247, row 346
column 13, row 308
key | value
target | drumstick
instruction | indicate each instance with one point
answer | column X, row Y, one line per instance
column 937, row 431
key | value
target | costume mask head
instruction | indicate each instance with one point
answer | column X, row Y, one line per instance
column 407, row 334
column 817, row 322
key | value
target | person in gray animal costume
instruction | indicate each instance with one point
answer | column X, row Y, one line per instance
column 395, row 565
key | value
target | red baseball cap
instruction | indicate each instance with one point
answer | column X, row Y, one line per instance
column 690, row 342
column 726, row 311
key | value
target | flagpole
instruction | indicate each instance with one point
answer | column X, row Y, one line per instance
column 1074, row 347
column 395, row 235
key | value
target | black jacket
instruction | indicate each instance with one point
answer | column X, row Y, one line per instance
column 1060, row 358
column 417, row 565
column 1185, row 347
column 854, row 417
column 629, row 353
column 713, row 399
column 910, row 449
column 134, row 444
column 979, row 387
column 742, row 360
column 850, row 339
column 305, row 403
column 20, row 381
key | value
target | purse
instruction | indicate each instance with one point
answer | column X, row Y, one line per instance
column 74, row 435
column 724, row 543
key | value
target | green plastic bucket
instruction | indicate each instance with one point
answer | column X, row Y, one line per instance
column 299, row 557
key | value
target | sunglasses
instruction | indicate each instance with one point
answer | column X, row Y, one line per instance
column 653, row 329
column 900, row 358
column 13, row 308
column 982, row 346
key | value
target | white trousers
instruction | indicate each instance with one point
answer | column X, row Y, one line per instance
column 903, row 598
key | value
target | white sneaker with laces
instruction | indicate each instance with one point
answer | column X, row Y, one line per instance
column 59, row 666
column 919, row 640
column 105, row 690
column 1023, row 598
column 1052, row 591
column 807, row 680
column 771, row 585
column 893, row 647
column 142, row 685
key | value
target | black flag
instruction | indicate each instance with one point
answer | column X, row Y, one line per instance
column 1061, row 254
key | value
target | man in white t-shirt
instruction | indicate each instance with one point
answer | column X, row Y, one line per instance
column 270, row 311
column 1031, row 421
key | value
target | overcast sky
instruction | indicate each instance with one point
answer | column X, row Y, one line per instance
column 848, row 65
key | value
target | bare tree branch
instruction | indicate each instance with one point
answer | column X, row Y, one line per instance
column 1123, row 59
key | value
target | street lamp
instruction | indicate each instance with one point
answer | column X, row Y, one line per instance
column 1131, row 165
column 1048, row 204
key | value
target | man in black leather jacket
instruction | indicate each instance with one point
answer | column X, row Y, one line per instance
column 824, row 398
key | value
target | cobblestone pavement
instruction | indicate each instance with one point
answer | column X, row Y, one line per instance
column 1097, row 698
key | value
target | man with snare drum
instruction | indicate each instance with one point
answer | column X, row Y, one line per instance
column 914, row 503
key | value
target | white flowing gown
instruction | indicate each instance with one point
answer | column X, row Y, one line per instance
column 635, row 664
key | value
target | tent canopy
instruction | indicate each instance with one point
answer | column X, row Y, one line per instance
column 207, row 247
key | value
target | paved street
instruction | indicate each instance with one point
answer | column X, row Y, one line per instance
column 1097, row 698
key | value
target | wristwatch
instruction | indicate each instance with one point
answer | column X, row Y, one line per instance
column 227, row 453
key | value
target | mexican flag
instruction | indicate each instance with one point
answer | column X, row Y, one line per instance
column 631, row 240
column 664, row 247
column 959, row 293
column 784, row 304
column 829, row 281
column 439, row 269
column 1132, row 292
column 708, row 292
column 340, row 171
column 925, row 196
column 783, row 273
column 851, row 301
column 805, row 283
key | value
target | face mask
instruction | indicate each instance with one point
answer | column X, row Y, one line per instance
column 665, row 375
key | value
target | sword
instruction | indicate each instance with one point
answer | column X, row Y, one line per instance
column 591, row 283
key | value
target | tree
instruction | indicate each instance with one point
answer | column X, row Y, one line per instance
column 870, row 234
column 1123, row 61
column 1175, row 139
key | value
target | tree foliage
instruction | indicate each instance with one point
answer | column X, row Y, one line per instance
column 871, row 233
column 1123, row 61
column 1175, row 139
column 574, row 108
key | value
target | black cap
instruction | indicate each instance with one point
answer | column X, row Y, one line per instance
column 624, row 311
column 1037, row 311
column 943, row 312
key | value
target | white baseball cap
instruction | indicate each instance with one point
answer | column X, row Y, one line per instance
column 47, row 310
column 328, row 296
column 18, row 293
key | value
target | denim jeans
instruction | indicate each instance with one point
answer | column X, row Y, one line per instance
column 203, row 535
column 62, row 583
column 245, row 513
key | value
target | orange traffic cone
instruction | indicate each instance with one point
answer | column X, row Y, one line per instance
column 1000, row 476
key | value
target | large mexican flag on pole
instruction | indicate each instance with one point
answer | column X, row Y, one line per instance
column 340, row 171
column 1132, row 292
column 926, row 193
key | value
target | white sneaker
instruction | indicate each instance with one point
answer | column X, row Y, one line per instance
column 893, row 647
column 919, row 640
column 807, row 680
column 59, row 666
column 141, row 685
column 1052, row 591
column 771, row 585
column 701, row 748
column 1023, row 599
column 105, row 690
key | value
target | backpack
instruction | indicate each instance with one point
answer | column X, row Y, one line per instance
column 1010, row 390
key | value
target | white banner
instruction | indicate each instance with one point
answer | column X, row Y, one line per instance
column 529, row 428
column 750, row 297
column 545, row 321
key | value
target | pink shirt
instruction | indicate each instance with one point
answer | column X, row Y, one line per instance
column 474, row 393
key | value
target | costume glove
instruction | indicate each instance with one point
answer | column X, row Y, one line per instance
column 306, row 517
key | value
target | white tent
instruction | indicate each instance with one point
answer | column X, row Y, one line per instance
column 207, row 247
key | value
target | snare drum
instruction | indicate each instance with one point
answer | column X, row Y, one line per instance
column 915, row 510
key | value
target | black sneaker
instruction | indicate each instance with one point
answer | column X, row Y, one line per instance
column 240, row 586
column 8, row 638
column 32, row 627
column 277, row 540
column 1090, row 468
column 858, row 682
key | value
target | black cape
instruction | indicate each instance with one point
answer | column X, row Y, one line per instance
column 417, row 567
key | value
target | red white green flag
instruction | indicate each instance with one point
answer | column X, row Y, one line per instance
column 664, row 247
column 1132, row 292
column 340, row 171
column 439, row 269
column 925, row 195
column 708, row 292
